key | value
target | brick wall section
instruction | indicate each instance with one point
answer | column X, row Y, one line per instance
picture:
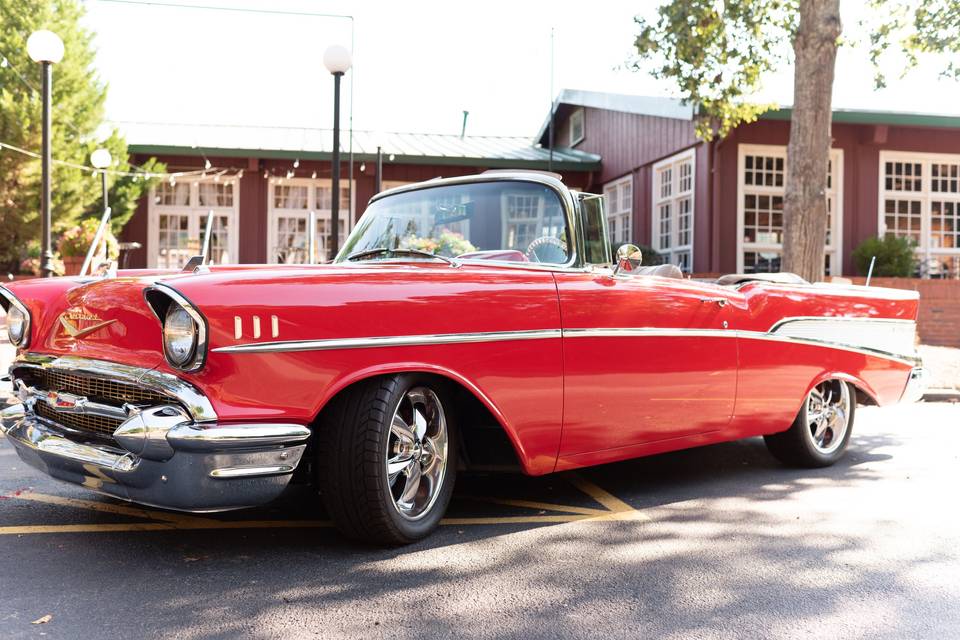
column 939, row 321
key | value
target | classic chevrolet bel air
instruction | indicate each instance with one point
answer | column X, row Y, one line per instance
column 467, row 323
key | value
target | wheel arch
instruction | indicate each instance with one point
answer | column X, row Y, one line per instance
column 865, row 393
column 347, row 381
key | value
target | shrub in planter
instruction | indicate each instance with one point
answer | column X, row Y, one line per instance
column 895, row 257
column 75, row 242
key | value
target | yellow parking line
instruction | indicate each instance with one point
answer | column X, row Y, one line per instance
column 543, row 506
column 107, row 507
column 513, row 520
column 85, row 528
column 604, row 497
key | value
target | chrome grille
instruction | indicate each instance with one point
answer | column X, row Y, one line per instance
column 82, row 422
column 94, row 388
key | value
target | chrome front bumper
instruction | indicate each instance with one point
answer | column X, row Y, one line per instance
column 162, row 455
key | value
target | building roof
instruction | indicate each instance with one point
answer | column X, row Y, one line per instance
column 640, row 105
column 676, row 109
column 316, row 144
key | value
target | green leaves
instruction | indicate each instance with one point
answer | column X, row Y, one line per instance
column 717, row 54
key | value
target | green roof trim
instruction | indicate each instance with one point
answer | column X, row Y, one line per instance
column 898, row 118
column 590, row 162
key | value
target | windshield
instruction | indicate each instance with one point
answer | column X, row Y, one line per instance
column 499, row 220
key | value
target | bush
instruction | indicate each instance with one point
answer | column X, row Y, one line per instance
column 895, row 257
column 76, row 240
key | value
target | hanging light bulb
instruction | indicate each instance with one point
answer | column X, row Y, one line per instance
column 206, row 163
column 392, row 157
column 266, row 174
column 240, row 174
column 289, row 174
column 296, row 163
column 363, row 167
column 314, row 175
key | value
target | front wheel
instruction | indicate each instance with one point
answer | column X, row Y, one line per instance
column 386, row 457
column 821, row 431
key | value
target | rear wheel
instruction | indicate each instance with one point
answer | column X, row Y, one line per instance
column 386, row 458
column 821, row 431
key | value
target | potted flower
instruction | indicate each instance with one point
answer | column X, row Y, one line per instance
column 76, row 241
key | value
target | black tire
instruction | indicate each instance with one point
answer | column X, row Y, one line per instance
column 353, row 438
column 797, row 445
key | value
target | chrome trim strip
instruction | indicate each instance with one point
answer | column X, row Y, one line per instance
column 779, row 323
column 389, row 341
column 251, row 472
column 189, row 396
column 648, row 332
column 542, row 334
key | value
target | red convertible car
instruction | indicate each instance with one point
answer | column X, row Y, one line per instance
column 467, row 323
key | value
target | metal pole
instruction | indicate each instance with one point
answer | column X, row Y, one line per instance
column 870, row 271
column 379, row 170
column 312, row 238
column 335, row 172
column 550, row 136
column 46, row 255
column 206, row 237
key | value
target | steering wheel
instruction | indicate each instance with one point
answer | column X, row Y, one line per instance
column 547, row 249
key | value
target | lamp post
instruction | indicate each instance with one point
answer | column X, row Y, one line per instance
column 45, row 47
column 337, row 61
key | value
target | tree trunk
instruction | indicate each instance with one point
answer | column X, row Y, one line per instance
column 805, row 201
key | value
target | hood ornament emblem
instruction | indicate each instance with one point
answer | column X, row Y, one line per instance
column 69, row 319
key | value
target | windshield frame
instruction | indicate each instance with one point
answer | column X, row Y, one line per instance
column 567, row 202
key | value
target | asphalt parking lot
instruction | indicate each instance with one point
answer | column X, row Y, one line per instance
column 713, row 542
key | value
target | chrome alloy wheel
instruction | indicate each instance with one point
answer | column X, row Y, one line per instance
column 416, row 456
column 828, row 415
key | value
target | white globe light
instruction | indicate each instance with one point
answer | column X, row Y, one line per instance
column 45, row 46
column 101, row 158
column 337, row 59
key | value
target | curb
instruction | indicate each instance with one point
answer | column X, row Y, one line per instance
column 941, row 395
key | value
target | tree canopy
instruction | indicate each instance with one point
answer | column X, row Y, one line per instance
column 78, row 99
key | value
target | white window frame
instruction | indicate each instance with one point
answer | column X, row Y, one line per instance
column 273, row 213
column 672, row 253
column 925, row 251
column 578, row 113
column 613, row 208
column 195, row 215
column 834, row 191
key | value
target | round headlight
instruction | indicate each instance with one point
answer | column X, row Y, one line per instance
column 179, row 335
column 16, row 325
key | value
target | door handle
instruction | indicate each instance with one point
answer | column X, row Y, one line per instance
column 719, row 301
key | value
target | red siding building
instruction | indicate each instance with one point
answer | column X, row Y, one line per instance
column 262, row 183
column 718, row 206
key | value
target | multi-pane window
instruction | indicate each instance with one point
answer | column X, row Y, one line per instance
column 177, row 218
column 920, row 200
column 763, row 171
column 618, row 196
column 673, row 182
column 291, row 201
column 576, row 127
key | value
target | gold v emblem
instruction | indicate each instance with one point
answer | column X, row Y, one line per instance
column 74, row 332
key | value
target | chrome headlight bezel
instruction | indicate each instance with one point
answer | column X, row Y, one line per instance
column 10, row 301
column 164, row 301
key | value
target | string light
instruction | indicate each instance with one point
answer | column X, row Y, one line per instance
column 392, row 157
column 266, row 174
column 290, row 174
column 296, row 163
column 314, row 175
column 240, row 174
column 363, row 167
column 206, row 164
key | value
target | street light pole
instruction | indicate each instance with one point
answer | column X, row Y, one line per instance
column 46, row 48
column 46, row 255
column 338, row 61
column 335, row 172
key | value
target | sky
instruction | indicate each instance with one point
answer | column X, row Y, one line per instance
column 417, row 65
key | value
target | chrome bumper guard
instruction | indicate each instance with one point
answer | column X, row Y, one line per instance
column 916, row 385
column 163, row 456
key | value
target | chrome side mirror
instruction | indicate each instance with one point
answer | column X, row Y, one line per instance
column 629, row 257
